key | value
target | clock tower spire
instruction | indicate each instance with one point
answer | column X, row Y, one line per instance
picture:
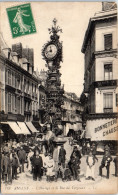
column 52, row 54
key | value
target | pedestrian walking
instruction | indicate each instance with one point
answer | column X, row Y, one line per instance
column 75, row 166
column 7, row 164
column 6, row 148
column 116, row 165
column 29, row 158
column 14, row 165
column 90, row 172
column 37, row 165
column 105, row 163
column 22, row 158
column 62, row 156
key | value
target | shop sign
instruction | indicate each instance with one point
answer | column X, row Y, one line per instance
column 102, row 129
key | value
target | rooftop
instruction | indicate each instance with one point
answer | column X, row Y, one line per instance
column 97, row 17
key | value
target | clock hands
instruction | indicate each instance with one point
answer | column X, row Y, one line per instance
column 49, row 51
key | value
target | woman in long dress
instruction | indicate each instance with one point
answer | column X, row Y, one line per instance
column 90, row 172
column 31, row 153
column 19, row 19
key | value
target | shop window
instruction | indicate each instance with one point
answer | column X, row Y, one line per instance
column 108, row 74
column 108, row 41
column 108, row 102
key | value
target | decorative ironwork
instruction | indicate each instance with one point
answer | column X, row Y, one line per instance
column 52, row 54
column 106, row 83
column 55, row 29
column 101, row 116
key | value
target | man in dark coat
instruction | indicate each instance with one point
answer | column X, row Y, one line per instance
column 22, row 158
column 6, row 167
column 116, row 165
column 62, row 156
column 14, row 166
column 37, row 165
column 75, row 163
column 77, row 152
column 105, row 163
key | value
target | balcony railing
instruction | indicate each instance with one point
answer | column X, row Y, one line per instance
column 27, row 112
column 101, row 116
column 108, row 110
column 105, row 83
column 27, row 95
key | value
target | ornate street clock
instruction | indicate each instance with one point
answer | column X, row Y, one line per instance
column 50, row 51
column 52, row 54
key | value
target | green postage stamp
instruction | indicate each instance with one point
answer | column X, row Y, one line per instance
column 21, row 20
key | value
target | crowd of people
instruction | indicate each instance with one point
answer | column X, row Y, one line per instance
column 18, row 157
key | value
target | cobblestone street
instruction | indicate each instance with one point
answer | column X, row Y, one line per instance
column 26, row 184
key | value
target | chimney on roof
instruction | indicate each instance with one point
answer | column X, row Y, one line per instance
column 18, row 49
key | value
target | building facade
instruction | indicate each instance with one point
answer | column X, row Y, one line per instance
column 72, row 114
column 18, row 86
column 101, row 75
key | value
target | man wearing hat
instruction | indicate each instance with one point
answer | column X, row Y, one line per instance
column 62, row 156
column 37, row 165
column 6, row 148
column 22, row 158
column 75, row 163
column 6, row 167
column 116, row 165
column 105, row 163
column 76, row 151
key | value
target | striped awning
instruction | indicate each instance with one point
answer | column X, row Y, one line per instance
column 31, row 127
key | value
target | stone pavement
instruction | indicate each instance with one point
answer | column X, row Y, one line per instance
column 26, row 184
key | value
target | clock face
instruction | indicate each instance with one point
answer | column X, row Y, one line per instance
column 50, row 51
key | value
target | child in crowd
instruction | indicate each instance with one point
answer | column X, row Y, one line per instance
column 67, row 173
column 50, row 168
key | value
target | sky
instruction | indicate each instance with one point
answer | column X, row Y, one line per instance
column 73, row 18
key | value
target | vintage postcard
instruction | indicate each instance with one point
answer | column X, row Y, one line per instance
column 58, row 97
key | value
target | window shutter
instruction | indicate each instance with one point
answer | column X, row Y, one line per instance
column 108, row 41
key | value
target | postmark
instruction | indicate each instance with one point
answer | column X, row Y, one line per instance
column 21, row 20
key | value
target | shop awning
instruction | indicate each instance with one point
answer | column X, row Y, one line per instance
column 102, row 129
column 14, row 127
column 31, row 127
column 1, row 132
column 23, row 128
